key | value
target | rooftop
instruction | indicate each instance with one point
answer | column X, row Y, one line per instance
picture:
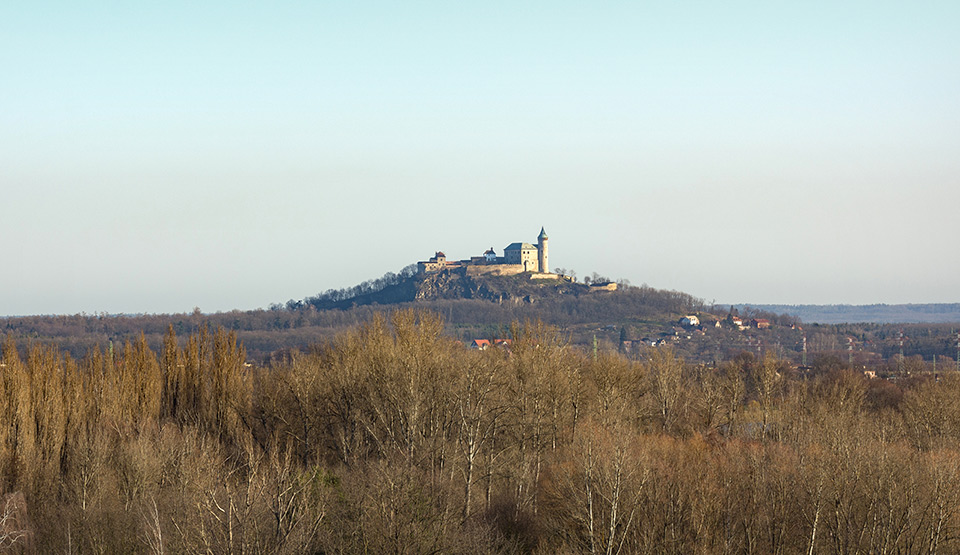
column 519, row 246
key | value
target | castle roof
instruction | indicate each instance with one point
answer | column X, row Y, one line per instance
column 519, row 246
column 543, row 234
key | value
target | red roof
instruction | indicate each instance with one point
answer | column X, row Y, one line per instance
column 484, row 343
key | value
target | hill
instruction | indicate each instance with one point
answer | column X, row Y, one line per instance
column 472, row 307
column 409, row 286
column 629, row 319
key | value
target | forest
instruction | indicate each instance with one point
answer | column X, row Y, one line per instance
column 392, row 437
column 297, row 326
column 603, row 319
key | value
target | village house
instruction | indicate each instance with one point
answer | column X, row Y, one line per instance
column 484, row 344
column 689, row 321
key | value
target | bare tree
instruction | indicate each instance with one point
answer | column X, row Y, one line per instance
column 15, row 528
column 665, row 374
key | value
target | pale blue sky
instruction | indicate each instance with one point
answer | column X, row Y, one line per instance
column 156, row 156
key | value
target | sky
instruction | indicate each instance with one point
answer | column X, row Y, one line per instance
column 161, row 156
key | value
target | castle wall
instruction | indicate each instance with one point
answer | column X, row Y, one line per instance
column 527, row 259
column 609, row 286
column 494, row 269
column 530, row 258
column 424, row 267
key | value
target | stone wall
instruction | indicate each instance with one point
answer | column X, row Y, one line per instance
column 494, row 269
column 610, row 286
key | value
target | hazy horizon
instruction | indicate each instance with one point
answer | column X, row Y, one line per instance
column 161, row 157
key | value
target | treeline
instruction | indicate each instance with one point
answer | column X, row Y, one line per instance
column 266, row 333
column 875, row 313
column 746, row 313
column 338, row 298
column 924, row 341
column 391, row 437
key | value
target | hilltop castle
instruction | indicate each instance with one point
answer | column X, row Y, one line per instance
column 517, row 258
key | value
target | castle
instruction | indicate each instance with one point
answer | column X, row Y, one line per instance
column 517, row 258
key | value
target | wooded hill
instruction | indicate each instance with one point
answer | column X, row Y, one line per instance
column 409, row 286
column 484, row 307
column 472, row 307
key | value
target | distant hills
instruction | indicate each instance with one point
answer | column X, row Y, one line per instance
column 592, row 316
column 934, row 313
column 472, row 306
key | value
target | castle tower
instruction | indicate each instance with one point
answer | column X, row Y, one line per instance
column 542, row 252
